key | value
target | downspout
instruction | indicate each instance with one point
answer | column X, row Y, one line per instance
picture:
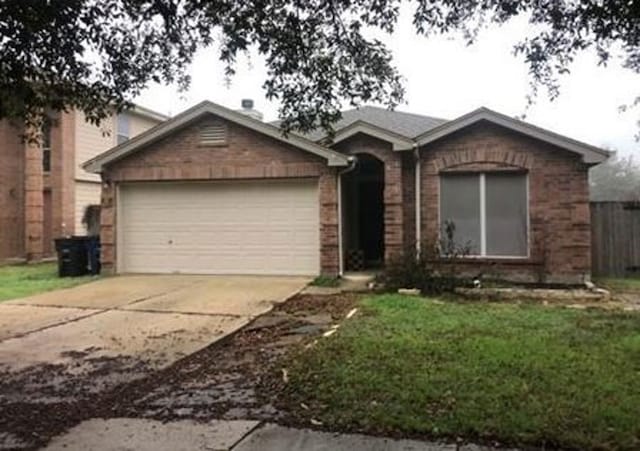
column 352, row 164
column 416, row 153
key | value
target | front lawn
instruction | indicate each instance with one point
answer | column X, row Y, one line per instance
column 18, row 281
column 516, row 374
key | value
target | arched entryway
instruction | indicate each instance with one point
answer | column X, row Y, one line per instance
column 363, row 214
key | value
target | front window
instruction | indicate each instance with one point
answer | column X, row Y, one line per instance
column 46, row 146
column 489, row 212
column 123, row 128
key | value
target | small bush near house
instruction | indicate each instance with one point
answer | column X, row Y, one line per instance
column 91, row 220
column 432, row 271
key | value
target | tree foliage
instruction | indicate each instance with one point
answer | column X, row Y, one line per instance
column 90, row 54
column 564, row 29
column 617, row 179
column 96, row 55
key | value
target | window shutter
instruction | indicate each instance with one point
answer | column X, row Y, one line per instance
column 213, row 135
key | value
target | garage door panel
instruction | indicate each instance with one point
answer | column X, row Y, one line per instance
column 220, row 228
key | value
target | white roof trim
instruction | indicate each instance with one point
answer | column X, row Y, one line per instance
column 590, row 154
column 96, row 164
column 146, row 112
column 397, row 141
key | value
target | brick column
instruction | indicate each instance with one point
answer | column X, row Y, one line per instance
column 329, row 258
column 393, row 208
column 63, row 164
column 107, row 227
column 33, row 201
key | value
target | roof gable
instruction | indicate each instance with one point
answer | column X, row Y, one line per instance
column 590, row 154
column 198, row 111
column 398, row 142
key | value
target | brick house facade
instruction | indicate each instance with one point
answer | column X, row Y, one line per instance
column 43, row 192
column 559, row 217
column 247, row 156
column 403, row 174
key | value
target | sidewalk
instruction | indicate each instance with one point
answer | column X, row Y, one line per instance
column 149, row 435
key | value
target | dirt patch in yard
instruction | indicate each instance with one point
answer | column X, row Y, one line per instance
column 41, row 401
column 227, row 379
column 230, row 379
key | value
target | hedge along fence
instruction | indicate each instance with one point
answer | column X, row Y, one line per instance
column 615, row 239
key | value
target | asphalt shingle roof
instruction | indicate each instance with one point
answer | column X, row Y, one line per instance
column 408, row 125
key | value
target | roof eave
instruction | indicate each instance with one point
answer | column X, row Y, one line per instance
column 397, row 141
column 148, row 113
column 590, row 154
column 96, row 164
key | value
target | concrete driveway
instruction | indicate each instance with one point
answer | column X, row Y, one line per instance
column 87, row 339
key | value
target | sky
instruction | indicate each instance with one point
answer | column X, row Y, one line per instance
column 445, row 78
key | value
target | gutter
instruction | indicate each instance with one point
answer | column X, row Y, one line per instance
column 418, row 198
column 352, row 165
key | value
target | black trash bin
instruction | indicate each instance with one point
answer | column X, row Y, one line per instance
column 73, row 258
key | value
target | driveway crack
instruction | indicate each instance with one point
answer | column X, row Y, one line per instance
column 49, row 326
column 177, row 312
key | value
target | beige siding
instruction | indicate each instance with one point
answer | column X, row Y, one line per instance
column 91, row 141
column 87, row 193
column 139, row 124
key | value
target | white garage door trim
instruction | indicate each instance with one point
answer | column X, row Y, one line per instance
column 269, row 227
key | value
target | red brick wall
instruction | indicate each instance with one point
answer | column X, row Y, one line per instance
column 59, row 181
column 62, row 175
column 33, row 201
column 394, row 208
column 559, row 234
column 247, row 155
column 11, row 192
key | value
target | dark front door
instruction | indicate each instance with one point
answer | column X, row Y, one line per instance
column 363, row 214
column 372, row 221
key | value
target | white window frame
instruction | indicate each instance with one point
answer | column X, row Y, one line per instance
column 46, row 147
column 483, row 217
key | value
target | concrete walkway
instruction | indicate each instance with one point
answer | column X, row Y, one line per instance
column 148, row 435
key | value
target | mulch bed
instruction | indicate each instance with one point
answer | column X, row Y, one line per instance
column 229, row 379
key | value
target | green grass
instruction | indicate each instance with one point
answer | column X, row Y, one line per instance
column 18, row 281
column 517, row 374
column 325, row 281
column 620, row 284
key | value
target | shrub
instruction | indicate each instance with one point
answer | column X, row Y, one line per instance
column 433, row 270
column 91, row 219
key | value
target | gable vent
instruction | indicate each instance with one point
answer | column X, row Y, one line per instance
column 213, row 135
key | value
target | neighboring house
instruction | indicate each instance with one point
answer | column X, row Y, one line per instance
column 43, row 189
column 214, row 191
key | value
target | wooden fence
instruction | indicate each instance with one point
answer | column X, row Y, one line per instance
column 615, row 238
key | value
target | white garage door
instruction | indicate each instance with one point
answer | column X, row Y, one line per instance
column 266, row 227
